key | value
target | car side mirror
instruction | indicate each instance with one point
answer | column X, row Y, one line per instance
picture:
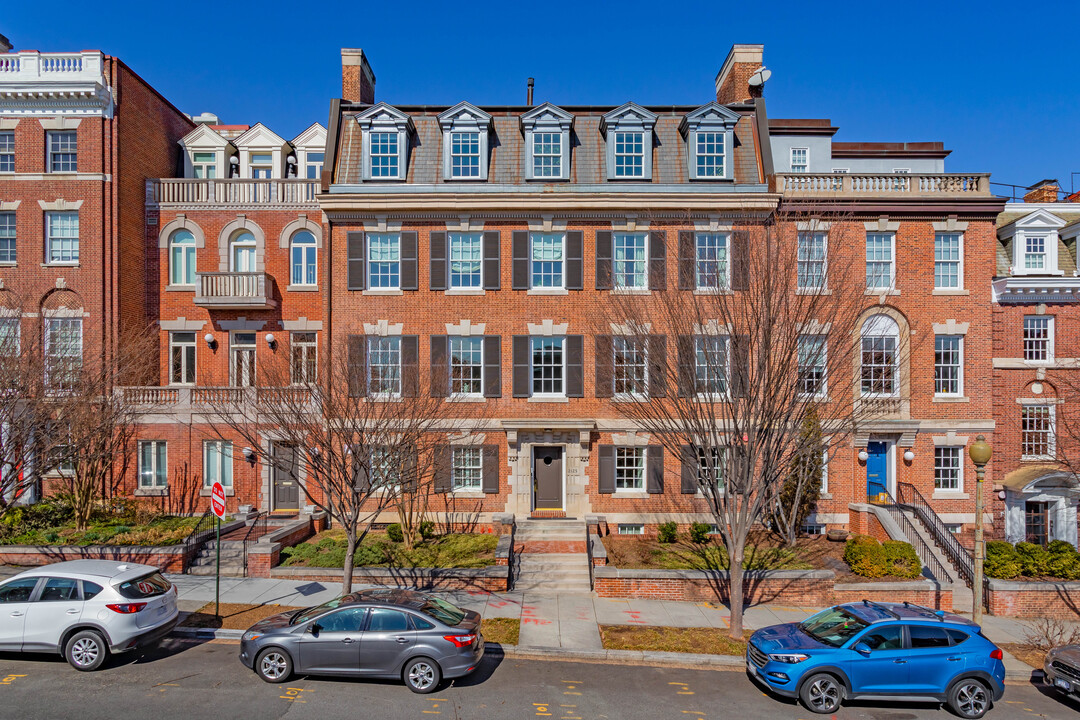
column 862, row 648
column 314, row 628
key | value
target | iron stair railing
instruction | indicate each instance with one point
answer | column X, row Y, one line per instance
column 203, row 531
column 924, row 551
column 910, row 498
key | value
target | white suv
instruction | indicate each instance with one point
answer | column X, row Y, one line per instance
column 85, row 609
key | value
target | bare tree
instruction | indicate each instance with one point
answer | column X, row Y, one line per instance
column 760, row 343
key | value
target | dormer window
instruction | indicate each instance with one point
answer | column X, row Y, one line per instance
column 547, row 143
column 709, row 133
column 465, row 142
column 386, row 132
column 1035, row 241
column 204, row 165
column 1035, row 252
column 206, row 154
column 629, row 133
column 262, row 165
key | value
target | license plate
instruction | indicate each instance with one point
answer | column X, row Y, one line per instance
column 751, row 668
column 163, row 609
column 1063, row 684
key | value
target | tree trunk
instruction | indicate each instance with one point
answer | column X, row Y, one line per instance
column 347, row 569
column 735, row 591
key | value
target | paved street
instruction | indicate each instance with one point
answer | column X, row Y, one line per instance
column 182, row 678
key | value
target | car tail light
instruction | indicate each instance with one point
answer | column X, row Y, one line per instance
column 126, row 608
column 997, row 654
column 460, row 640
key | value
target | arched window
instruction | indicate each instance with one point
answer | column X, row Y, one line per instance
column 880, row 363
column 182, row 258
column 242, row 252
column 303, row 258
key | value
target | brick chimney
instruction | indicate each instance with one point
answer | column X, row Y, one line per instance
column 1044, row 191
column 357, row 79
column 731, row 82
column 5, row 45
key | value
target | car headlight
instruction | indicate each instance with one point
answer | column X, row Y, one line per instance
column 249, row 636
column 789, row 658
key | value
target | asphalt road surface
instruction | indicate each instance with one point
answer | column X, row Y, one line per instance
column 182, row 680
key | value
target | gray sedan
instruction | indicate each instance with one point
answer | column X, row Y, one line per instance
column 374, row 633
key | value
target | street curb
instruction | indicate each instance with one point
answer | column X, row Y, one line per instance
column 208, row 633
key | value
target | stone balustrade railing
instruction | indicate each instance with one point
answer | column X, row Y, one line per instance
column 185, row 396
column 181, row 191
column 890, row 184
column 31, row 65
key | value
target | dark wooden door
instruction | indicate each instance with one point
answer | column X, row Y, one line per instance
column 1037, row 522
column 547, row 478
column 285, row 478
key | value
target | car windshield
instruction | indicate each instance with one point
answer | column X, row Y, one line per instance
column 834, row 626
column 313, row 612
column 444, row 612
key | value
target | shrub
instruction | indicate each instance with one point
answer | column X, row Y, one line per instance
column 393, row 531
column 699, row 533
column 1057, row 547
column 1002, row 562
column 427, row 529
column 667, row 532
column 869, row 558
column 901, row 559
column 1034, row 559
column 367, row 555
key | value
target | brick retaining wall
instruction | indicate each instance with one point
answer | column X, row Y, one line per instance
column 170, row 558
column 494, row 578
column 1024, row 599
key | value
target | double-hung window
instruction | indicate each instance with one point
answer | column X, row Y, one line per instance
column 182, row 358
column 204, row 165
column 63, row 352
column 546, row 260
column 948, row 365
column 62, row 237
column 466, row 366
column 7, row 237
column 880, row 271
column 800, row 160
column 63, row 151
column 262, row 165
column 712, row 467
column 548, row 366
column 1036, row 432
column 465, row 256
column 812, row 351
column 384, row 155
column 304, row 255
column 466, row 468
column 7, row 151
column 547, row 154
column 710, row 154
column 182, row 258
column 217, row 463
column 10, row 338
column 948, row 468
column 464, row 155
column 385, row 473
column 153, row 465
column 629, row 468
column 711, row 260
column 1035, row 252
column 242, row 359
column 629, row 154
column 879, row 362
column 711, row 364
column 631, row 369
column 630, row 268
column 947, row 261
column 304, row 347
column 314, row 165
column 384, row 261
column 1038, row 338
column 811, row 260
column 384, row 366
column 243, row 252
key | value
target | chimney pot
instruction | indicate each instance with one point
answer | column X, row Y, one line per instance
column 529, row 93
column 357, row 77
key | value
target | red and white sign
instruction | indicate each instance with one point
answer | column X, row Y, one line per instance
column 217, row 499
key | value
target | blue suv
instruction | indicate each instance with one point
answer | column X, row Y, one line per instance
column 869, row 650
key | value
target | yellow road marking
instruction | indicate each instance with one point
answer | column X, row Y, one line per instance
column 685, row 692
column 678, row 683
column 431, row 712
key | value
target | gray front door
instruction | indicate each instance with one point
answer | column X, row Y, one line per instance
column 387, row 643
column 547, row 478
column 286, row 482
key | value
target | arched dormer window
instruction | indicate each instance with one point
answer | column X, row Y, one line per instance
column 880, row 365
column 303, row 255
column 182, row 258
column 242, row 252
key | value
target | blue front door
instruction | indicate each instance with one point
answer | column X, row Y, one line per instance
column 877, row 468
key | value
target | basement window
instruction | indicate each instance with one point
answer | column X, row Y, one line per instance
column 631, row 529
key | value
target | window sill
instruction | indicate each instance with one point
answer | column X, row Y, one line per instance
column 951, row 399
column 464, row 291
column 1041, row 272
column 60, row 264
column 549, row 399
column 466, row 399
column 468, row 494
column 384, row 398
column 629, row 398
column 825, row 496
column 151, row 492
column 950, row 291
column 714, row 291
column 1037, row 458
column 631, row 494
column 383, row 291
column 950, row 495
column 882, row 291
column 547, row 291
column 815, row 398
column 630, row 291
column 301, row 288
column 8, row 264
column 1049, row 362
column 813, row 291
column 712, row 398
column 179, row 288
column 229, row 491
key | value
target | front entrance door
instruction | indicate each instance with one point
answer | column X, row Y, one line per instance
column 547, row 478
column 877, row 468
column 1037, row 523
column 285, row 479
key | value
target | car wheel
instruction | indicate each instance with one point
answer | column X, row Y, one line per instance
column 822, row 693
column 273, row 665
column 969, row 698
column 86, row 650
column 422, row 675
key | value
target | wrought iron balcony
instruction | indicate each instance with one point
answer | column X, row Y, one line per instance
column 234, row 290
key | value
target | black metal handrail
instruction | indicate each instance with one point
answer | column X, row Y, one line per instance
column 202, row 532
column 925, row 552
column 909, row 497
column 254, row 527
column 588, row 556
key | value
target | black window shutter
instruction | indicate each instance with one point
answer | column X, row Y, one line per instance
column 605, row 367
column 492, row 250
column 658, row 260
column 521, row 366
column 739, row 260
column 606, row 482
column 520, row 260
column 493, row 366
column 437, row 267
column 687, row 260
column 654, row 469
column 687, row 377
column 574, row 260
column 489, row 473
column 740, row 365
column 408, row 261
column 657, row 357
column 361, row 481
column 357, row 364
column 354, row 243
column 411, row 480
column 575, row 366
column 689, row 470
column 443, row 470
column 410, row 365
column 603, row 259
column 440, row 366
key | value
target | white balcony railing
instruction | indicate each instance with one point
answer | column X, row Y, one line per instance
column 889, row 184
column 234, row 290
column 33, row 66
column 187, row 397
column 290, row 192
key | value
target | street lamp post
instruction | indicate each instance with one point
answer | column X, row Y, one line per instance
column 979, row 452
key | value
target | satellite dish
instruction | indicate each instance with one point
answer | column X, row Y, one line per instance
column 759, row 77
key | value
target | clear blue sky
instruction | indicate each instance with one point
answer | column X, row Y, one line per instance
column 997, row 82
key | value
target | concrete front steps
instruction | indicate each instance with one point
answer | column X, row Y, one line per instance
column 232, row 559
column 552, row 558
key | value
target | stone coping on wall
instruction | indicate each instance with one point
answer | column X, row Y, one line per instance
column 893, row 586
column 272, row 540
column 1072, row 586
column 85, row 551
column 610, row 571
column 394, row 574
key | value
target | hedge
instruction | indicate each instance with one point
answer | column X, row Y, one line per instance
column 892, row 558
column 1059, row 559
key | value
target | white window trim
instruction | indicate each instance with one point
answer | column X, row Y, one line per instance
column 315, row 246
column 368, row 263
column 629, row 118
column 725, row 285
column 873, row 289
column 631, row 528
column 464, row 490
column 465, row 118
column 634, row 491
column 194, row 260
column 1049, row 340
column 220, row 445
column 49, row 238
column 1052, row 443
column 532, row 369
column 644, row 286
column 824, row 287
column 293, row 344
column 791, row 159
column 235, row 347
column 823, row 391
column 561, row 287
column 960, row 266
column 960, row 379
column 631, row 396
column 947, row 492
column 384, row 396
column 49, row 151
column 153, row 458
column 547, row 119
column 194, row 369
column 450, row 368
column 450, row 287
column 1050, row 238
column 714, row 396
